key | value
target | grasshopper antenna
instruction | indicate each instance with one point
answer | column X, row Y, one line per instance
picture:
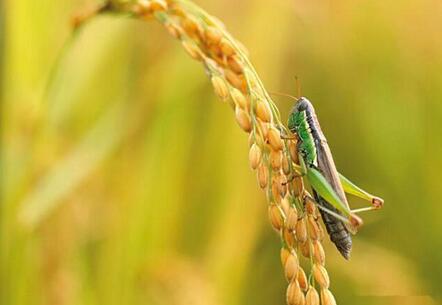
column 298, row 86
column 298, row 91
column 284, row 94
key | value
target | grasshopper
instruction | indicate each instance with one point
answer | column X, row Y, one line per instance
column 329, row 186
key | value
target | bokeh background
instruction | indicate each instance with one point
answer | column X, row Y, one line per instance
column 128, row 182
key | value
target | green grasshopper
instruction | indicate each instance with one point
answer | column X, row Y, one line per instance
column 329, row 187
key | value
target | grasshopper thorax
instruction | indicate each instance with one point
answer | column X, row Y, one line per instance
column 298, row 123
column 298, row 114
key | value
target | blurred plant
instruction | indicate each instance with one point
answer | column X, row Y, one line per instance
column 274, row 157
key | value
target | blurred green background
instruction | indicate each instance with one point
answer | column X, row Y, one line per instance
column 129, row 183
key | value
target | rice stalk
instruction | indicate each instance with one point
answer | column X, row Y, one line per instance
column 272, row 155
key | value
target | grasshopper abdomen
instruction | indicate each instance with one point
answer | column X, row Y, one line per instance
column 336, row 229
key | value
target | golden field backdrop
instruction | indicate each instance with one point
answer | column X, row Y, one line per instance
column 128, row 182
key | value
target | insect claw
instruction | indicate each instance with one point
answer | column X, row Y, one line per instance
column 377, row 202
column 355, row 221
column 289, row 179
column 292, row 177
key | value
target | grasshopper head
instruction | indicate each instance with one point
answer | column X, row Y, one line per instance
column 303, row 104
column 297, row 115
